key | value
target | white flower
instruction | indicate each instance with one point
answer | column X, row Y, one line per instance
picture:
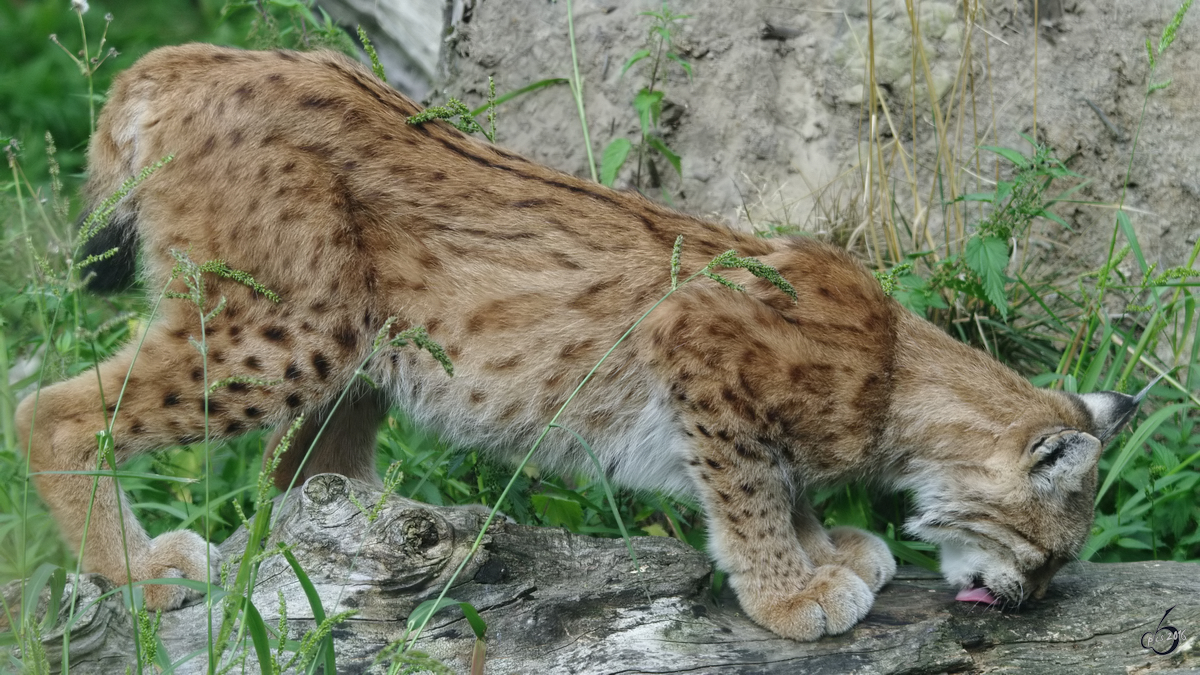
column 80, row 6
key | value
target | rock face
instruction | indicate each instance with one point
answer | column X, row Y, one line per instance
column 560, row 603
column 407, row 35
column 772, row 127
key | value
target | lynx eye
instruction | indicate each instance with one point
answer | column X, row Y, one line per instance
column 1039, row 444
column 1052, row 452
column 1050, row 447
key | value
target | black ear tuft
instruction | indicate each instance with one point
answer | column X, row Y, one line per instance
column 1112, row 410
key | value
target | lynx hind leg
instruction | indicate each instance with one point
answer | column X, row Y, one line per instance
column 778, row 582
column 58, row 426
column 163, row 404
column 345, row 446
column 865, row 554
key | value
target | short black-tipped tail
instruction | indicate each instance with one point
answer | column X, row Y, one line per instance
column 118, row 272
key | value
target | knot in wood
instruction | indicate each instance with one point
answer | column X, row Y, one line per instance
column 326, row 488
column 420, row 532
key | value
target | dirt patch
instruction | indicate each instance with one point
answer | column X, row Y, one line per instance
column 772, row 127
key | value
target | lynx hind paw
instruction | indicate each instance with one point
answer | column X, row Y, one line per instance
column 832, row 602
column 864, row 553
column 182, row 554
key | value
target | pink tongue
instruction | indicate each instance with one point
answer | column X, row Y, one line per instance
column 980, row 594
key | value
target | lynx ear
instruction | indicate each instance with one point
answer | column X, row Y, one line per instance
column 1112, row 410
column 1064, row 459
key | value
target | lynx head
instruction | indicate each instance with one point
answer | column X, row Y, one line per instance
column 1008, row 521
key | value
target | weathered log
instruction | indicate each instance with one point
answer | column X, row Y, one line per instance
column 562, row 603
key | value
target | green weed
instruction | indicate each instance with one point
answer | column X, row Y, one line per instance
column 1064, row 330
column 648, row 103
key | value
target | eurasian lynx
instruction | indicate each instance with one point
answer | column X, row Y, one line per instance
column 299, row 169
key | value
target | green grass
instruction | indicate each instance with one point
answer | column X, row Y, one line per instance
column 1147, row 508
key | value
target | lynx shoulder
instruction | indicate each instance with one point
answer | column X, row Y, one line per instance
column 299, row 169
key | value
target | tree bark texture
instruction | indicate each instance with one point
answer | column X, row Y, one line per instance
column 556, row 602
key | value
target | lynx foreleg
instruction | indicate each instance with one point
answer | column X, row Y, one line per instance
column 779, row 583
column 864, row 553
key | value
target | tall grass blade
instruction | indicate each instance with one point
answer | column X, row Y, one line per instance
column 258, row 636
column 1143, row 432
column 540, row 84
column 314, row 602
column 612, row 500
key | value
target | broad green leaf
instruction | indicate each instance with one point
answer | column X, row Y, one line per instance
column 33, row 588
column 910, row 555
column 325, row 652
column 1003, row 189
column 477, row 623
column 1127, row 542
column 657, row 143
column 655, row 530
column 648, row 105
column 1050, row 216
column 427, row 609
column 174, row 512
column 58, row 582
column 637, row 56
column 558, row 512
column 687, row 67
column 988, row 257
column 1021, row 161
column 613, row 158
column 258, row 635
column 915, row 293
column 1131, row 237
column 1105, row 531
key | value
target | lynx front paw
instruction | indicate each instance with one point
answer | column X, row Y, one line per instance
column 864, row 553
column 831, row 602
column 182, row 554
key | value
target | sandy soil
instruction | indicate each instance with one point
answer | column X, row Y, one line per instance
column 771, row 130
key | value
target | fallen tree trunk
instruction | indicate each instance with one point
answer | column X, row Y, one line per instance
column 556, row 602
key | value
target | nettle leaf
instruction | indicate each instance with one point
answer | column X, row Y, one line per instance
column 915, row 293
column 1003, row 189
column 1021, row 161
column 558, row 512
column 658, row 144
column 687, row 67
column 612, row 160
column 637, row 56
column 988, row 257
column 648, row 105
column 1050, row 216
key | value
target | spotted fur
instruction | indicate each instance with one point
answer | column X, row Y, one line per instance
column 300, row 170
